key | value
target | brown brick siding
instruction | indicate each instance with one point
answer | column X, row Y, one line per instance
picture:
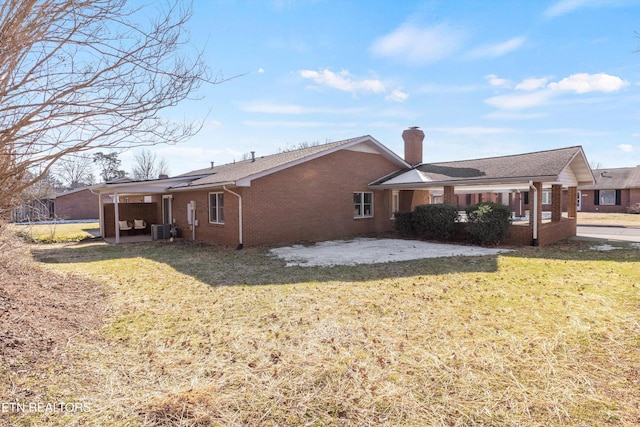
column 81, row 204
column 588, row 202
column 310, row 201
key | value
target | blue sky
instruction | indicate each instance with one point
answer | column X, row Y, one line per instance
column 481, row 78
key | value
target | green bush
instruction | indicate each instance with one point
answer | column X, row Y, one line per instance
column 404, row 223
column 437, row 221
column 488, row 223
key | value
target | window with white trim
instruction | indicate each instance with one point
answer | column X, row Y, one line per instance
column 216, row 208
column 363, row 204
column 546, row 197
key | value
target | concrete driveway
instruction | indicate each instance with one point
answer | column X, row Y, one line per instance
column 625, row 234
column 372, row 251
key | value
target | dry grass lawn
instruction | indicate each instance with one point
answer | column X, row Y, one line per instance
column 197, row 335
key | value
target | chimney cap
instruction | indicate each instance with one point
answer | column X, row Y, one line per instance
column 414, row 127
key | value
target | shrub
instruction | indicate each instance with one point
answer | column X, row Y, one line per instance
column 404, row 223
column 488, row 223
column 437, row 221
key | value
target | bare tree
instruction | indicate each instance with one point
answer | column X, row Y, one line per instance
column 148, row 166
column 77, row 75
column 75, row 171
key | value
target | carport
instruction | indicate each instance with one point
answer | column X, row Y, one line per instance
column 565, row 168
column 156, row 210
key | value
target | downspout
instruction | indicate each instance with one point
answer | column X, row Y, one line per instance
column 240, row 244
column 534, row 242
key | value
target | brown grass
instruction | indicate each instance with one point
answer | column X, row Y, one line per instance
column 197, row 335
column 612, row 219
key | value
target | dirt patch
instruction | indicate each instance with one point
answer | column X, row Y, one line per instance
column 40, row 312
column 373, row 251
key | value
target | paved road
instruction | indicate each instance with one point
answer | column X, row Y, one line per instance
column 586, row 232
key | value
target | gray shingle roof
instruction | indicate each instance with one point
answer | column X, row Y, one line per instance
column 549, row 163
column 615, row 179
column 232, row 172
column 541, row 163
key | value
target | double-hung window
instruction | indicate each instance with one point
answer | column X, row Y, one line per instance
column 607, row 197
column 546, row 197
column 216, row 208
column 362, row 204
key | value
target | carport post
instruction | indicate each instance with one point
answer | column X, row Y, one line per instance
column 117, row 216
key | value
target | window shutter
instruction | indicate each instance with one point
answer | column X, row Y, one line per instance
column 618, row 197
column 526, row 197
column 596, row 197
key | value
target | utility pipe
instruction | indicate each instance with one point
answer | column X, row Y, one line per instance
column 534, row 213
column 240, row 244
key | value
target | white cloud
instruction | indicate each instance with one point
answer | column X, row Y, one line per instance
column 343, row 81
column 517, row 101
column 626, row 148
column 472, row 130
column 496, row 81
column 565, row 6
column 265, row 107
column 497, row 49
column 584, row 83
column 275, row 108
column 419, row 46
column 260, row 70
column 397, row 96
column 509, row 115
column 532, row 84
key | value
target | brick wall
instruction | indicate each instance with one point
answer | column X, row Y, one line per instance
column 552, row 232
column 310, row 201
column 588, row 202
column 81, row 204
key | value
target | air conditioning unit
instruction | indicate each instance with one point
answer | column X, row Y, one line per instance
column 160, row 231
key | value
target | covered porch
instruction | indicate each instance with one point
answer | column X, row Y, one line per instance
column 149, row 201
column 508, row 177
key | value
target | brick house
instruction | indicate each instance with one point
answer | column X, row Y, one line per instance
column 76, row 204
column 504, row 179
column 314, row 193
column 337, row 190
column 614, row 191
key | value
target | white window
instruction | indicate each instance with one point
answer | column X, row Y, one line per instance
column 436, row 200
column 362, row 205
column 216, row 208
column 395, row 203
column 546, row 197
column 607, row 197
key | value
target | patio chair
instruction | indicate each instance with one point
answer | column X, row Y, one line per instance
column 139, row 224
column 124, row 226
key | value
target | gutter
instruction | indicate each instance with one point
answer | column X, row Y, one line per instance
column 463, row 182
column 533, row 188
column 240, row 244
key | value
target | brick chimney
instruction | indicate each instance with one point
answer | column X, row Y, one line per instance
column 413, row 138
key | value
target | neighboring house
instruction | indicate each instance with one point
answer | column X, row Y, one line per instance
column 80, row 203
column 614, row 191
column 36, row 209
column 337, row 190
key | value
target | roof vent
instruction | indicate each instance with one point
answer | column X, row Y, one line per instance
column 211, row 165
column 253, row 156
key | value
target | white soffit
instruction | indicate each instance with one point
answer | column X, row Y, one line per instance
column 364, row 147
column 410, row 177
